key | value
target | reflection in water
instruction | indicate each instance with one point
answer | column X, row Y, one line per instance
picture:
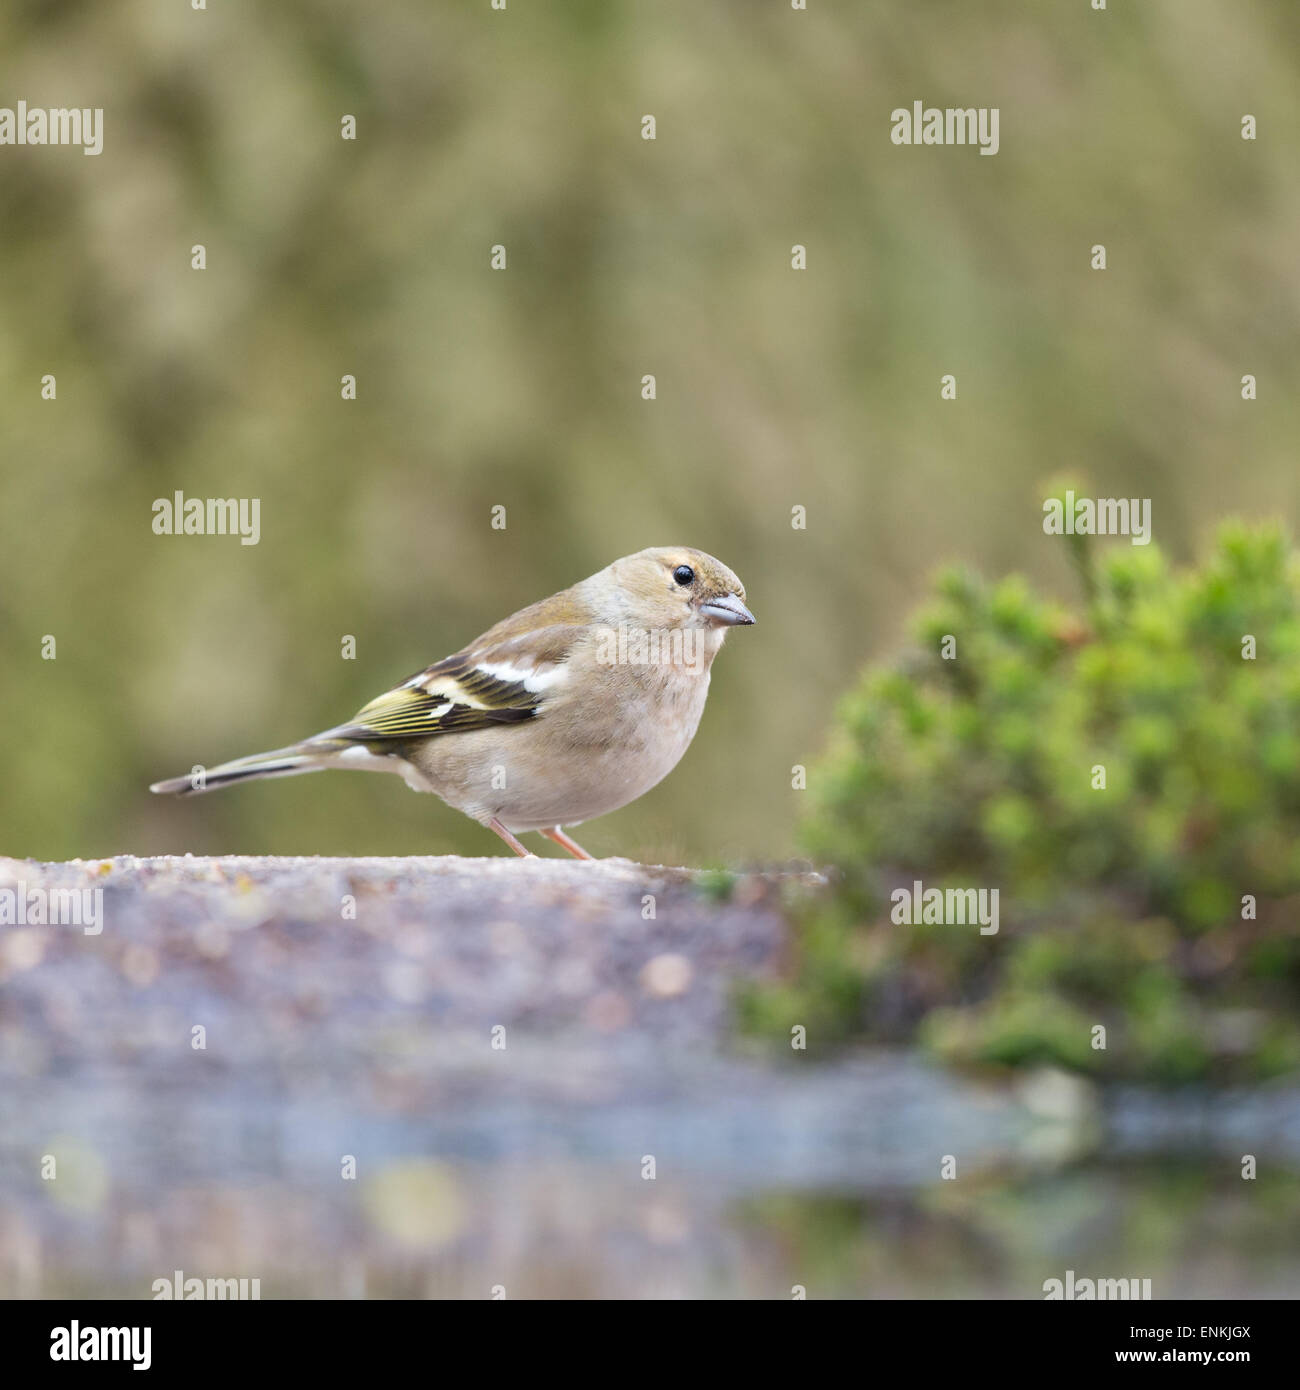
column 343, row 1133
column 428, row 1230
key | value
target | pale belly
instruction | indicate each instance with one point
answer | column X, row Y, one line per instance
column 549, row 772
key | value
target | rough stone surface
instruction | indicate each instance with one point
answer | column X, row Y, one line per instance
column 617, row 1140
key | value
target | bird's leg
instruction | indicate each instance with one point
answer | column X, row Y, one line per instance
column 561, row 839
column 520, row 850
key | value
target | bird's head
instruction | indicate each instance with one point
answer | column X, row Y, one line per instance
column 675, row 586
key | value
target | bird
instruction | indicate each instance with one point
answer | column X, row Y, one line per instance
column 566, row 710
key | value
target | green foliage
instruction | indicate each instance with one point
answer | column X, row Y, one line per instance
column 1120, row 906
column 716, row 884
column 522, row 387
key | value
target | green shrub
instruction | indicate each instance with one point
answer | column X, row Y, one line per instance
column 1123, row 906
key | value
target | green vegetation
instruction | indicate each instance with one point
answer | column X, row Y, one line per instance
column 522, row 388
column 964, row 1239
column 1128, row 906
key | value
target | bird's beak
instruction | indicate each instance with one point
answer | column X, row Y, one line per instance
column 727, row 610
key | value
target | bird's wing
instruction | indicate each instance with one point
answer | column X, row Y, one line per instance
column 490, row 683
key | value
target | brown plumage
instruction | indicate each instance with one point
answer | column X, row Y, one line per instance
column 568, row 709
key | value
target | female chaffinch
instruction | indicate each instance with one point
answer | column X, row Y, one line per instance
column 564, row 711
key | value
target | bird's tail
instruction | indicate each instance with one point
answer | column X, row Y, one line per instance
column 311, row 756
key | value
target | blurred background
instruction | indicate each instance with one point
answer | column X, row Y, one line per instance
column 522, row 388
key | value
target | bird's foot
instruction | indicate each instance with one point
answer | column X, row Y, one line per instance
column 561, row 839
column 521, row 850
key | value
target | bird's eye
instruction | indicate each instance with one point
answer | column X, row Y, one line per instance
column 684, row 574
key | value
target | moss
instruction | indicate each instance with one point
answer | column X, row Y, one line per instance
column 716, row 885
column 1120, row 907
